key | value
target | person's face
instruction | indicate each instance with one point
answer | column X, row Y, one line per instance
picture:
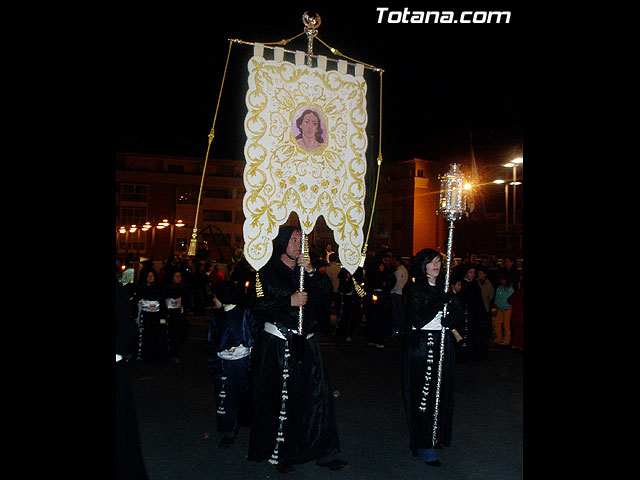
column 481, row 275
column 471, row 274
column 177, row 277
column 386, row 261
column 433, row 267
column 293, row 247
column 457, row 286
column 309, row 125
column 508, row 262
column 150, row 277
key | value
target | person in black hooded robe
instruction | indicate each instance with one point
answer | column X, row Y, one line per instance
column 230, row 337
column 293, row 418
column 129, row 460
column 424, row 304
column 477, row 324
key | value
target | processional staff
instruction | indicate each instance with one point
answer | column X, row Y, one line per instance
column 311, row 25
column 453, row 205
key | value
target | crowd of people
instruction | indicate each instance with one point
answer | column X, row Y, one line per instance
column 263, row 355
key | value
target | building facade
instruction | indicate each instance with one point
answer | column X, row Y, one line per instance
column 405, row 218
column 160, row 188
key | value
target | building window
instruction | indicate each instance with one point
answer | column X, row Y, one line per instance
column 133, row 193
column 217, row 216
column 420, row 173
column 131, row 245
column 133, row 215
column 186, row 196
column 218, row 193
column 175, row 168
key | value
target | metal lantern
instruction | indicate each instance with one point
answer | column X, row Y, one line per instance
column 453, row 198
column 453, row 205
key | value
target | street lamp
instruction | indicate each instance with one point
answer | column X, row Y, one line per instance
column 506, row 204
column 126, row 230
column 514, row 164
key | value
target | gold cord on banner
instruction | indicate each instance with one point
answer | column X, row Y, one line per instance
column 375, row 192
column 284, row 41
column 194, row 235
column 337, row 52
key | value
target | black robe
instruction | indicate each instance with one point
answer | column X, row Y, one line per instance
column 129, row 461
column 177, row 326
column 310, row 430
column 476, row 329
column 231, row 377
column 422, row 350
column 153, row 341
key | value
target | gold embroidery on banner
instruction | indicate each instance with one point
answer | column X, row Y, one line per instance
column 280, row 176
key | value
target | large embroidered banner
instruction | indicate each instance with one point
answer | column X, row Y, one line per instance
column 305, row 152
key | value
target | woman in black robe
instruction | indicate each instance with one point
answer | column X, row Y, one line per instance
column 425, row 302
column 293, row 419
column 153, row 343
column 176, row 322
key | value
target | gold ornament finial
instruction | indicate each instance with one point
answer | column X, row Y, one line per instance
column 311, row 23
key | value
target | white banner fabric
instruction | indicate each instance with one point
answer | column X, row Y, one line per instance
column 305, row 152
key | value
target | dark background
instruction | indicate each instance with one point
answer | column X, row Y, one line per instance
column 441, row 81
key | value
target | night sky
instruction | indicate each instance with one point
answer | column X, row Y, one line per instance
column 441, row 81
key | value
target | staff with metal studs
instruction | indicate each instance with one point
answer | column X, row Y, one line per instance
column 311, row 25
column 453, row 205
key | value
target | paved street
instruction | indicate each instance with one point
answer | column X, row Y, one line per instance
column 176, row 408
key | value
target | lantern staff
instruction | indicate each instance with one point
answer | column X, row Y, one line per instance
column 453, row 205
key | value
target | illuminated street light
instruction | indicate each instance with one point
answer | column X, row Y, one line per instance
column 516, row 162
column 124, row 229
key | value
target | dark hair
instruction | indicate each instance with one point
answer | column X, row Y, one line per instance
column 146, row 273
column 319, row 131
column 418, row 267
